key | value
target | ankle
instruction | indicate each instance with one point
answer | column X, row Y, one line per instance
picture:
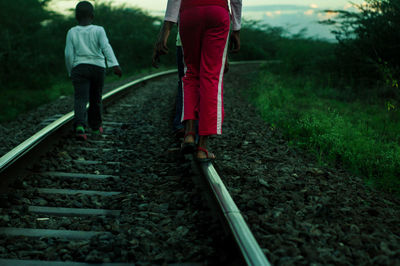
column 189, row 126
column 189, row 137
column 203, row 142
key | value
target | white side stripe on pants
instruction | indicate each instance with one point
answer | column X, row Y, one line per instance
column 221, row 76
column 183, row 86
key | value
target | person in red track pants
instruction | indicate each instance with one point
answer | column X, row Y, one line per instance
column 204, row 28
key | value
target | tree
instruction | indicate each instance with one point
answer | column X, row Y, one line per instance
column 21, row 23
column 368, row 41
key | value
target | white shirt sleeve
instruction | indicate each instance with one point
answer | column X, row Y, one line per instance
column 172, row 12
column 236, row 9
column 69, row 53
column 107, row 49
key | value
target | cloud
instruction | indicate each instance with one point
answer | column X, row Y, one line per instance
column 296, row 19
column 272, row 8
column 348, row 6
column 269, row 14
column 328, row 15
column 276, row 13
column 309, row 12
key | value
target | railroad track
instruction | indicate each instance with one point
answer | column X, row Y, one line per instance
column 103, row 200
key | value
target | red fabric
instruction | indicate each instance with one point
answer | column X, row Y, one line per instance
column 192, row 3
column 204, row 33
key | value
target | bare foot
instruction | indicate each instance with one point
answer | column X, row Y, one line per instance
column 204, row 155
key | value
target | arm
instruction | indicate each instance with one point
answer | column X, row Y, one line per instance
column 108, row 52
column 69, row 53
column 171, row 17
column 172, row 12
column 236, row 7
column 161, row 48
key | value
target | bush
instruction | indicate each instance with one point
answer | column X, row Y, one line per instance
column 368, row 43
column 360, row 136
column 258, row 41
column 310, row 57
column 32, row 49
column 21, row 39
column 132, row 34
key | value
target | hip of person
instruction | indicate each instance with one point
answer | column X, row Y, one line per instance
column 187, row 4
column 87, row 69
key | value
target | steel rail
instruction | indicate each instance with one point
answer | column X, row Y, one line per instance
column 18, row 152
column 251, row 251
column 245, row 240
column 23, row 148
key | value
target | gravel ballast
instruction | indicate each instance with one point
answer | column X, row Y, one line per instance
column 300, row 213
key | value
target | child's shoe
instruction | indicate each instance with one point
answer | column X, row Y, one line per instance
column 80, row 133
column 98, row 131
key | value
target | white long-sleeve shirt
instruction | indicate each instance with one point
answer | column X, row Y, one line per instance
column 173, row 7
column 88, row 45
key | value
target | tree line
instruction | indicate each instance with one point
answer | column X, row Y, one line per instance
column 32, row 40
column 368, row 49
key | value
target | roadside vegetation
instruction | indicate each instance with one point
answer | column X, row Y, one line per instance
column 338, row 100
column 32, row 69
column 341, row 101
column 32, row 41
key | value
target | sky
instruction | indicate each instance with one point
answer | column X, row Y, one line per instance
column 294, row 15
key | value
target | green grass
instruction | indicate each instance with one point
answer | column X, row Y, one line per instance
column 360, row 135
column 15, row 102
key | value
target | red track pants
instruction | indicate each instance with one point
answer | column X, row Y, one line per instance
column 204, row 32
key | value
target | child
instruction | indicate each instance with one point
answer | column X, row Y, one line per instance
column 86, row 50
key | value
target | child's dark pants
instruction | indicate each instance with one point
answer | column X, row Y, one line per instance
column 88, row 81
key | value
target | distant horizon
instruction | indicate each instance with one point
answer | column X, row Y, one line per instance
column 160, row 5
column 293, row 15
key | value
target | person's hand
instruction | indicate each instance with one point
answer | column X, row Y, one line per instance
column 117, row 71
column 234, row 45
column 160, row 47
